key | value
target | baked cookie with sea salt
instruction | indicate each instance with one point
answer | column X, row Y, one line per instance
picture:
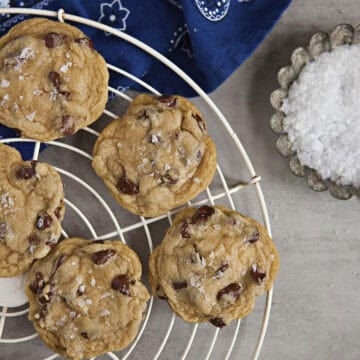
column 52, row 81
column 86, row 298
column 212, row 264
column 157, row 156
column 31, row 211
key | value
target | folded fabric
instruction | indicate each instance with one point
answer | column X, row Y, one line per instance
column 208, row 39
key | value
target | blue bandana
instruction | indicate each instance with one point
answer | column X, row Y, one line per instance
column 208, row 39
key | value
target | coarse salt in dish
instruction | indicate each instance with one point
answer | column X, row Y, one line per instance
column 323, row 115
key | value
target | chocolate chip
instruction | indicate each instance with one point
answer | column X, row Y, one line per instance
column 51, row 244
column 68, row 126
column 200, row 121
column 84, row 335
column 160, row 293
column 102, row 256
column 220, row 271
column 126, row 186
column 43, row 300
column 218, row 322
column 185, row 230
column 234, row 290
column 167, row 180
column 42, row 312
column 202, row 214
column 121, row 283
column 98, row 242
column 85, row 41
column 167, row 100
column 3, row 230
column 26, row 172
column 257, row 275
column 59, row 261
column 177, row 285
column 57, row 211
column 81, row 290
column 65, row 93
column 254, row 237
column 44, row 221
column 198, row 155
column 38, row 283
column 55, row 78
column 53, row 39
column 34, row 239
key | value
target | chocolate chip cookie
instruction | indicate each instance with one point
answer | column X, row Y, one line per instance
column 212, row 265
column 52, row 81
column 157, row 156
column 31, row 211
column 86, row 297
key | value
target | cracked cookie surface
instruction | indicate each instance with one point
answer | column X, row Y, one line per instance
column 86, row 298
column 157, row 156
column 31, row 211
column 52, row 81
column 212, row 264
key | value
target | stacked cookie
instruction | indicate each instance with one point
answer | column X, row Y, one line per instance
column 86, row 297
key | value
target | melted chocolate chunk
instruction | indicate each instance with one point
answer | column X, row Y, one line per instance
column 55, row 78
column 167, row 100
column 26, row 172
column 51, row 244
column 257, row 275
column 220, row 271
column 102, row 256
column 126, row 186
column 57, row 211
column 38, row 283
column 234, row 290
column 34, row 239
column 201, row 123
column 98, row 242
column 160, row 293
column 65, row 93
column 202, row 214
column 59, row 261
column 44, row 221
column 185, row 230
column 254, row 237
column 218, row 322
column 53, row 39
column 84, row 335
column 85, row 41
column 198, row 155
column 121, row 283
column 68, row 126
column 3, row 230
column 81, row 290
column 177, row 285
column 167, row 180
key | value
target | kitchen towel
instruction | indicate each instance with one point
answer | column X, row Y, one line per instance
column 208, row 39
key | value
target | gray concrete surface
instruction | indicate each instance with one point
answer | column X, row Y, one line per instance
column 315, row 312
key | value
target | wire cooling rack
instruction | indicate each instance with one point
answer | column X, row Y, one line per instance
column 9, row 315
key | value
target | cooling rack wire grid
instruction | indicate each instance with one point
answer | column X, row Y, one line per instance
column 254, row 180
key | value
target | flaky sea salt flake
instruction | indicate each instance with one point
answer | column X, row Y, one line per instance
column 31, row 116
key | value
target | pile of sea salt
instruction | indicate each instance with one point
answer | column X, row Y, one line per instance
column 323, row 115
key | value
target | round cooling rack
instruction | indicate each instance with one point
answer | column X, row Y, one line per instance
column 84, row 188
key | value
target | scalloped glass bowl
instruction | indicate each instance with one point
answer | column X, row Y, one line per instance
column 320, row 42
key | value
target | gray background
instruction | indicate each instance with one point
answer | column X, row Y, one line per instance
column 315, row 313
